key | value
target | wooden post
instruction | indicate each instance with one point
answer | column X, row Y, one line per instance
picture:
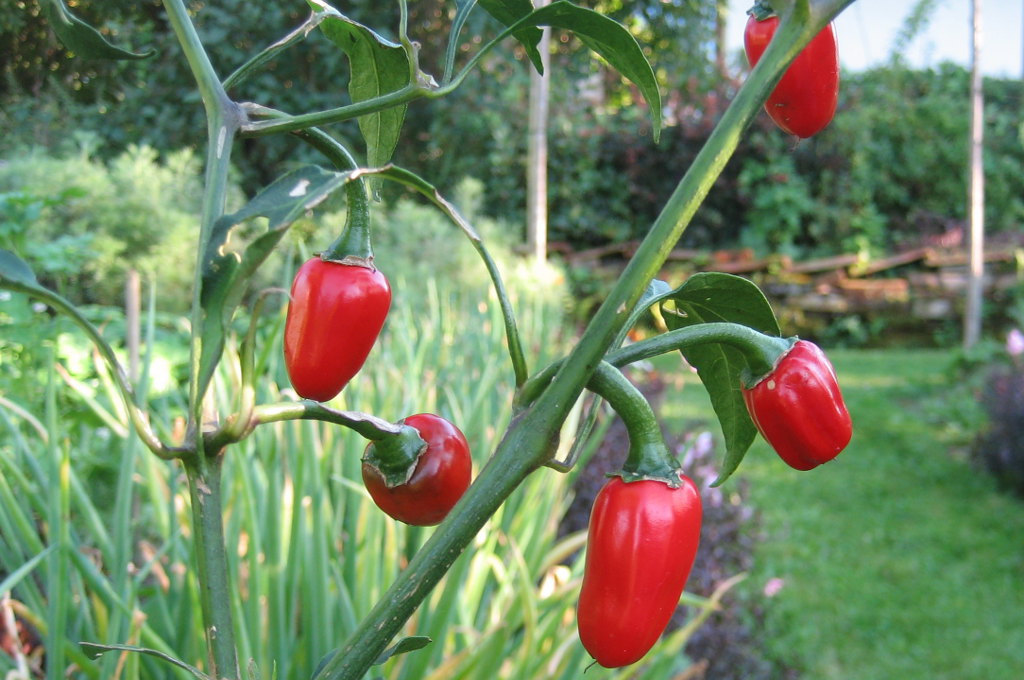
column 132, row 313
column 976, row 190
column 537, row 154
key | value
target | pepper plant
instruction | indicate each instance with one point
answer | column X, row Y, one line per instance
column 721, row 324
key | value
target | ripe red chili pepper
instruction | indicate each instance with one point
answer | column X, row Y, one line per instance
column 641, row 546
column 442, row 473
column 799, row 409
column 334, row 317
column 804, row 100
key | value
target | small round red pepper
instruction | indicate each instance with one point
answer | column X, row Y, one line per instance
column 431, row 483
column 798, row 408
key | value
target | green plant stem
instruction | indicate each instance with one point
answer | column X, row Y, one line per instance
column 243, row 72
column 224, row 118
column 528, row 443
column 497, row 480
column 204, row 483
column 223, row 121
column 791, row 36
column 366, row 425
column 761, row 351
column 399, row 97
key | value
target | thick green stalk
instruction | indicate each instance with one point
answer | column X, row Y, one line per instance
column 354, row 244
column 223, row 120
column 529, row 440
column 215, row 592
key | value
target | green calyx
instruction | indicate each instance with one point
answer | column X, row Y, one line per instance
column 769, row 356
column 761, row 10
column 650, row 461
column 395, row 456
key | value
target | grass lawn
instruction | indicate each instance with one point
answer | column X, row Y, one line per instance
column 897, row 560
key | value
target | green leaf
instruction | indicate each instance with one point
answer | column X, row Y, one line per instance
column 15, row 270
column 403, row 646
column 81, row 38
column 24, row 570
column 509, row 12
column 94, row 651
column 378, row 67
column 226, row 273
column 612, row 41
column 708, row 297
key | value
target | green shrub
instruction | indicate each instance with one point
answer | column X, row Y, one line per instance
column 92, row 221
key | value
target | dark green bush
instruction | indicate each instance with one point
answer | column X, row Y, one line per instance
column 1000, row 447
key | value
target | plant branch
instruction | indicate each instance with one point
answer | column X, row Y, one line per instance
column 368, row 426
column 794, row 32
column 761, row 351
column 243, row 72
column 224, row 118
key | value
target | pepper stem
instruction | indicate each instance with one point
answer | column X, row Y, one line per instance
column 760, row 351
column 648, row 456
column 353, row 245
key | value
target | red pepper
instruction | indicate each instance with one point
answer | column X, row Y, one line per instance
column 335, row 314
column 799, row 409
column 641, row 546
column 804, row 100
column 440, row 475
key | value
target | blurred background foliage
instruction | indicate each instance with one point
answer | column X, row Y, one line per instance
column 887, row 171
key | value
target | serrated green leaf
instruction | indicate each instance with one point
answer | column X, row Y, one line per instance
column 15, row 270
column 709, row 297
column 509, row 12
column 403, row 646
column 81, row 38
column 94, row 651
column 226, row 273
column 378, row 67
column 613, row 42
